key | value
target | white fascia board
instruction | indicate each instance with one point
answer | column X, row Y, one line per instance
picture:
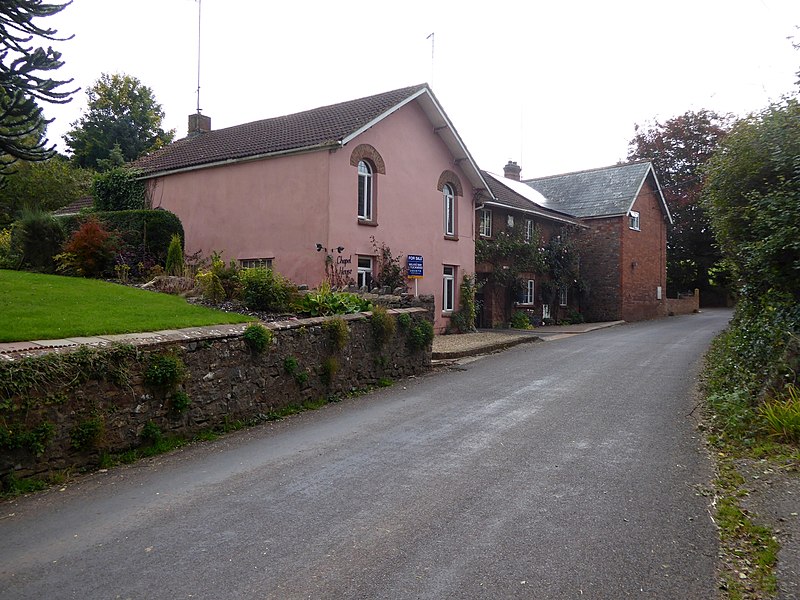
column 382, row 116
column 649, row 171
column 531, row 211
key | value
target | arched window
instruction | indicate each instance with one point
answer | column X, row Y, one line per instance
column 365, row 185
column 449, row 209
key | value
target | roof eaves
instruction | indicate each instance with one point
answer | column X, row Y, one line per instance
column 540, row 213
column 345, row 140
column 242, row 159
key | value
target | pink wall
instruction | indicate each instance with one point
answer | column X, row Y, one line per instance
column 281, row 207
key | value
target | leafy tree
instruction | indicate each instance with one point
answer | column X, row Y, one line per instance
column 121, row 112
column 753, row 195
column 45, row 185
column 679, row 149
column 22, row 84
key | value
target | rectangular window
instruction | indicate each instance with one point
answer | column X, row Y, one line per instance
column 529, row 295
column 562, row 296
column 449, row 211
column 528, row 230
column 633, row 220
column 545, row 311
column 255, row 263
column 449, row 289
column 485, row 229
column 510, row 221
column 364, row 272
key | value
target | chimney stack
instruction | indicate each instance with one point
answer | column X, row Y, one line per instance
column 512, row 170
column 199, row 124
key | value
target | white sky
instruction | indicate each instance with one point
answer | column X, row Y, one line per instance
column 555, row 86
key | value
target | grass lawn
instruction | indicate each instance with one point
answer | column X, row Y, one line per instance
column 44, row 307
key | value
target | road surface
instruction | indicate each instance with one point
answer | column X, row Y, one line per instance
column 564, row 469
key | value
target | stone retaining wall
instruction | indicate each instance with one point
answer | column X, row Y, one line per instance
column 106, row 404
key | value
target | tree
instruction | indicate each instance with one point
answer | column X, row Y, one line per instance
column 121, row 112
column 679, row 149
column 753, row 195
column 22, row 84
column 45, row 185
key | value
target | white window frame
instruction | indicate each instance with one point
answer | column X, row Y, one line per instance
column 562, row 296
column 485, row 227
column 545, row 311
column 448, row 288
column 364, row 272
column 510, row 221
column 365, row 190
column 255, row 263
column 530, row 288
column 633, row 220
column 528, row 230
column 449, row 198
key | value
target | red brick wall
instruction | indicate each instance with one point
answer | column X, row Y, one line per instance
column 600, row 247
column 644, row 258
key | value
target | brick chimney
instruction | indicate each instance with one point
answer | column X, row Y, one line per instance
column 512, row 170
column 199, row 124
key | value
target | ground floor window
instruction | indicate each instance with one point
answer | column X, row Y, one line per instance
column 364, row 271
column 529, row 295
column 255, row 263
column 449, row 289
column 562, row 296
column 546, row 311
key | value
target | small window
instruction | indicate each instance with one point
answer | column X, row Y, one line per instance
column 633, row 220
column 365, row 187
column 510, row 221
column 449, row 289
column 485, row 229
column 545, row 311
column 449, row 210
column 562, row 296
column 364, row 272
column 528, row 230
column 529, row 295
column 255, row 263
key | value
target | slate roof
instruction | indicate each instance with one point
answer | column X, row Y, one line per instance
column 604, row 192
column 315, row 128
column 516, row 195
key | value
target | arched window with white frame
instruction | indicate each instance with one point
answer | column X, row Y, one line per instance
column 365, row 188
column 449, row 209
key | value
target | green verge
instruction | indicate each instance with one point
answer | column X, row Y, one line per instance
column 38, row 307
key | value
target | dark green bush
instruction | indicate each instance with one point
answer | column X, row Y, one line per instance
column 404, row 321
column 118, row 189
column 383, row 325
column 519, row 320
column 180, row 401
column 421, row 335
column 151, row 433
column 257, row 337
column 87, row 434
column 325, row 301
column 164, row 370
column 264, row 289
column 174, row 261
column 37, row 237
column 33, row 440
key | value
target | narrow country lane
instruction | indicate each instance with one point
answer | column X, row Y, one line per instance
column 565, row 469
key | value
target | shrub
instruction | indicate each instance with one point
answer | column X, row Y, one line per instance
column 37, row 237
column 325, row 301
column 9, row 259
column 211, row 287
column 338, row 332
column 257, row 337
column 291, row 367
column 383, row 325
column 463, row 320
column 87, row 434
column 264, row 289
column 404, row 321
column 421, row 335
column 33, row 440
column 180, row 401
column 174, row 264
column 782, row 416
column 151, row 433
column 118, row 189
column 164, row 370
column 330, row 366
column 91, row 249
column 519, row 320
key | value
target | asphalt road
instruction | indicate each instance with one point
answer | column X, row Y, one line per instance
column 565, row 469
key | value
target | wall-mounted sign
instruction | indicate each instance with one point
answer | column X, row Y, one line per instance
column 414, row 266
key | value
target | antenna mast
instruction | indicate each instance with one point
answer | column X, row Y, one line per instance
column 432, row 38
column 199, row 2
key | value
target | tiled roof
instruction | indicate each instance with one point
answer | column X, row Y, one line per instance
column 318, row 127
column 608, row 191
column 75, row 207
column 515, row 194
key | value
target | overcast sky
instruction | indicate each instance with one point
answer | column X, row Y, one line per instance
column 555, row 86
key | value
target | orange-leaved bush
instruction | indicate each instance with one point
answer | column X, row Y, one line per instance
column 92, row 248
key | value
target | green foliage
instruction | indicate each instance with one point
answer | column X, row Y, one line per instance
column 91, row 249
column 509, row 255
column 164, row 370
column 751, row 191
column 118, row 189
column 520, row 320
column 679, row 149
column 563, row 261
column 151, row 433
column 23, row 66
column 338, row 332
column 390, row 271
column 257, row 337
column 32, row 440
column 14, row 487
column 291, row 367
column 180, row 401
column 420, row 335
column 37, row 237
column 265, row 289
column 782, row 415
column 87, row 434
column 404, row 321
column 175, row 263
column 463, row 320
column 46, row 186
column 383, row 325
column 9, row 259
column 325, row 302
column 121, row 112
column 330, row 366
